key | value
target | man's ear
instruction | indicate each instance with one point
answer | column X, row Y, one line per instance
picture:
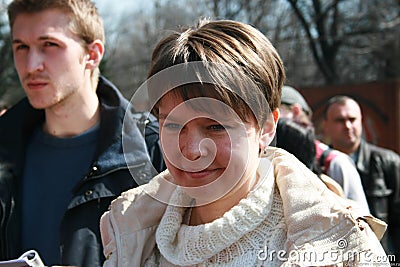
column 94, row 54
column 268, row 129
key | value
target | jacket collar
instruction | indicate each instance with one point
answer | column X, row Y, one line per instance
column 362, row 162
column 121, row 143
column 109, row 155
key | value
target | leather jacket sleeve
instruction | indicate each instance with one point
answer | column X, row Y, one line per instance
column 380, row 171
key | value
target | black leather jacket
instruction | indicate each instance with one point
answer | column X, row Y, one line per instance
column 107, row 178
column 379, row 169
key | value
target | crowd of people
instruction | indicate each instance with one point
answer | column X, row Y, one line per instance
column 224, row 170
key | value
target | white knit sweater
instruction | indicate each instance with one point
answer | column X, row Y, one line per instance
column 236, row 239
column 290, row 210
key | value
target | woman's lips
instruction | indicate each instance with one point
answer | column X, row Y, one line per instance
column 201, row 174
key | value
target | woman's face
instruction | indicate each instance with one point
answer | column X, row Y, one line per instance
column 210, row 153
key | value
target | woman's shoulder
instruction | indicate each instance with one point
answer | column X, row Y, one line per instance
column 316, row 218
column 142, row 206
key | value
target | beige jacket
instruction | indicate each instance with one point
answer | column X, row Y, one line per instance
column 310, row 209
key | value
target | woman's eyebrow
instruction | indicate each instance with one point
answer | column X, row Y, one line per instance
column 163, row 116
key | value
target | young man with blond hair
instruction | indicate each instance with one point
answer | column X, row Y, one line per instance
column 63, row 142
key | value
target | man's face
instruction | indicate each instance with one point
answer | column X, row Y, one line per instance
column 344, row 126
column 49, row 59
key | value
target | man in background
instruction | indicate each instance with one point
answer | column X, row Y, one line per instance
column 63, row 142
column 340, row 167
column 378, row 167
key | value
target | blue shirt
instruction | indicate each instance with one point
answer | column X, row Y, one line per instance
column 53, row 167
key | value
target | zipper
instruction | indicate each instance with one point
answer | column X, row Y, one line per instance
column 90, row 176
column 4, row 236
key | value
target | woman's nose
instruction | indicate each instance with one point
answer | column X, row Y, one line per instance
column 192, row 144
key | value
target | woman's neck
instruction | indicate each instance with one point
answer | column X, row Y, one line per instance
column 215, row 210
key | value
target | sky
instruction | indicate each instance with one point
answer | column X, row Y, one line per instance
column 107, row 6
column 117, row 7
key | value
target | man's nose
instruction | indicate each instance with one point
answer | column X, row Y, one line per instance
column 348, row 124
column 34, row 62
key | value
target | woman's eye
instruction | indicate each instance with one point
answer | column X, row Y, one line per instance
column 217, row 127
column 172, row 126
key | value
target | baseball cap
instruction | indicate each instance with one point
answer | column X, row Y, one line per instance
column 291, row 96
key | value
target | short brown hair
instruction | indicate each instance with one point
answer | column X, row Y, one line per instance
column 86, row 22
column 240, row 48
column 337, row 99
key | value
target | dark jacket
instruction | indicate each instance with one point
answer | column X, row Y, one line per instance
column 108, row 176
column 379, row 169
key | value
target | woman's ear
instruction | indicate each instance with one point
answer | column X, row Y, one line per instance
column 268, row 129
column 94, row 54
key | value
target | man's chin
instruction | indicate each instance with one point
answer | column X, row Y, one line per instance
column 38, row 106
column 348, row 146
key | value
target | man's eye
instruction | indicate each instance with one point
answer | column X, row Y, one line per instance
column 50, row 44
column 21, row 47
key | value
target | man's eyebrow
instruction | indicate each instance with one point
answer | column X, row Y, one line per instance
column 16, row 41
column 45, row 37
column 41, row 38
column 339, row 118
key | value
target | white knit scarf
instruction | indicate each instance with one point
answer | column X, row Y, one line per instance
column 232, row 240
column 290, row 210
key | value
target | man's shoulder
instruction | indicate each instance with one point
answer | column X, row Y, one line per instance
column 20, row 117
column 16, row 111
column 383, row 152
